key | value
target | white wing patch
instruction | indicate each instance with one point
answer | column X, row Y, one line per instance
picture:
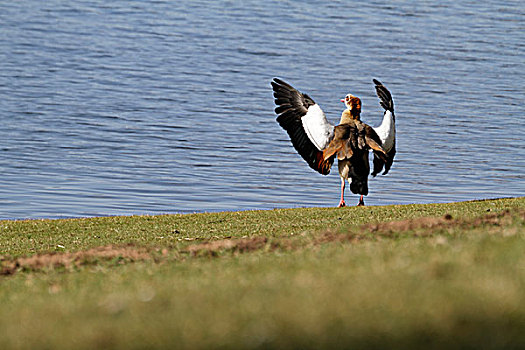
column 387, row 131
column 317, row 127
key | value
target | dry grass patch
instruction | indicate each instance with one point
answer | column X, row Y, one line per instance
column 56, row 260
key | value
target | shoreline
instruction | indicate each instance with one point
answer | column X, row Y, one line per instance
column 237, row 210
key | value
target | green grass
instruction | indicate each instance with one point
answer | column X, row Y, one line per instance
column 318, row 279
column 35, row 236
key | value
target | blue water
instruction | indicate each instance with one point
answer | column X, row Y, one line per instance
column 148, row 107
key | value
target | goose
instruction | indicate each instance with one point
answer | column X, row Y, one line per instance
column 319, row 142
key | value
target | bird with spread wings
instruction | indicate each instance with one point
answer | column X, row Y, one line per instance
column 319, row 142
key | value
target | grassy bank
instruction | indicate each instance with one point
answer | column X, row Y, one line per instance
column 435, row 276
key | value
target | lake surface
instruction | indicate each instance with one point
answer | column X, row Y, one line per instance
column 149, row 107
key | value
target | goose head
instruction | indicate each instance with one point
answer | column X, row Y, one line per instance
column 353, row 104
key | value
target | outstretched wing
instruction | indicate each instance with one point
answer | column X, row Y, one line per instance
column 386, row 131
column 306, row 124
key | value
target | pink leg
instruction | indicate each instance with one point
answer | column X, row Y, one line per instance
column 361, row 202
column 342, row 202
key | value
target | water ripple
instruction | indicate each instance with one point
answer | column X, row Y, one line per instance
column 153, row 107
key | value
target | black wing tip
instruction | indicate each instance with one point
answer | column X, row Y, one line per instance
column 279, row 82
column 280, row 85
column 384, row 95
column 275, row 83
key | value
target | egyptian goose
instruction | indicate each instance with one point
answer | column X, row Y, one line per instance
column 319, row 142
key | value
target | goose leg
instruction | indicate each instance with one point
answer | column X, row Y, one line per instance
column 342, row 202
column 361, row 202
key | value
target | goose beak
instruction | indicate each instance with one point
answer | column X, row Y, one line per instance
column 343, row 100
